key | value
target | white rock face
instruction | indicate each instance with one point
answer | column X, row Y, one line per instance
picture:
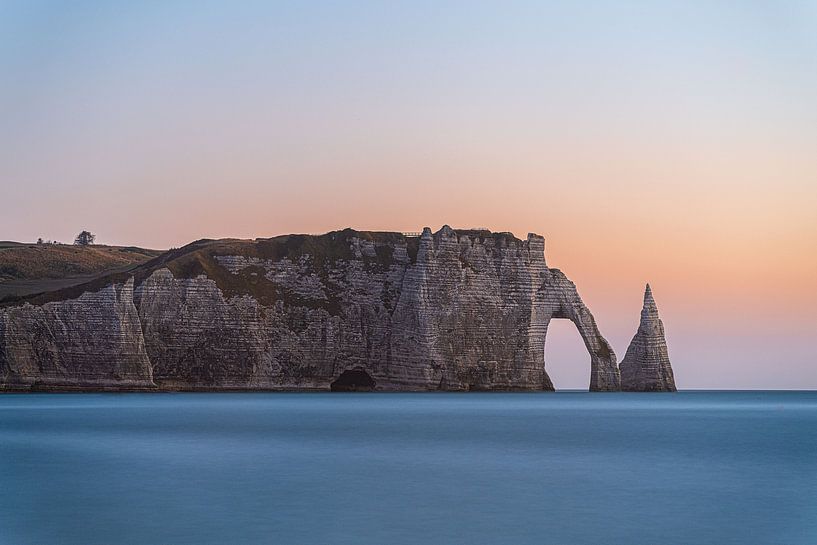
column 451, row 310
column 94, row 341
column 646, row 366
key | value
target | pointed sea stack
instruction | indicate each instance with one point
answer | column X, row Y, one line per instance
column 646, row 366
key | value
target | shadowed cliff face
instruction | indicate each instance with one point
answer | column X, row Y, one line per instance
column 452, row 310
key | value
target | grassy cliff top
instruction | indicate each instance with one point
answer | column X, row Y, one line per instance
column 41, row 273
column 27, row 269
column 54, row 261
column 52, row 272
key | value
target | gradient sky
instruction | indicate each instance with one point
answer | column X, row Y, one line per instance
column 669, row 142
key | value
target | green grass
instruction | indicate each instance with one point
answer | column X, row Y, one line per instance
column 42, row 273
column 27, row 269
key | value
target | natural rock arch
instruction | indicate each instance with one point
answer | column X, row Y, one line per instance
column 561, row 300
column 452, row 310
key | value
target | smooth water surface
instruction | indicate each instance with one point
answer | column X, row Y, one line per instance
column 566, row 468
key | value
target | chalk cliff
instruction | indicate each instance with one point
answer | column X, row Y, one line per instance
column 646, row 366
column 451, row 310
column 94, row 341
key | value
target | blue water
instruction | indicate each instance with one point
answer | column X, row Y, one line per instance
column 565, row 468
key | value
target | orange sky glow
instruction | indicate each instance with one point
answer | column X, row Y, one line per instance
column 663, row 143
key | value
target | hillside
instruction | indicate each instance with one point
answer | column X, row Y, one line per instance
column 34, row 268
column 202, row 257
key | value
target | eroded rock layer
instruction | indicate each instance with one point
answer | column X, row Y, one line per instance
column 452, row 310
column 646, row 366
column 94, row 341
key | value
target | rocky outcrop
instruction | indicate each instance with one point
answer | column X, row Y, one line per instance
column 646, row 366
column 451, row 310
column 94, row 341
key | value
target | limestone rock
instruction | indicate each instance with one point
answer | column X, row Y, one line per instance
column 94, row 341
column 646, row 366
column 451, row 310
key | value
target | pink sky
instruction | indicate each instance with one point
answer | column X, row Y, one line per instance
column 669, row 143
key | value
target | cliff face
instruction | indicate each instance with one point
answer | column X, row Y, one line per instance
column 453, row 310
column 93, row 341
column 646, row 366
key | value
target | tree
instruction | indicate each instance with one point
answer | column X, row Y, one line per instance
column 85, row 238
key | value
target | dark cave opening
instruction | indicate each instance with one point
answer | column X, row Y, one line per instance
column 353, row 380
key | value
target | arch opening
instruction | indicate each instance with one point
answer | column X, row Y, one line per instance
column 353, row 380
column 567, row 361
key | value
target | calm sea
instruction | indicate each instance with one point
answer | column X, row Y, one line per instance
column 565, row 468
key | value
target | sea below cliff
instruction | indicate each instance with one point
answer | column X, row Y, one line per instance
column 480, row 468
